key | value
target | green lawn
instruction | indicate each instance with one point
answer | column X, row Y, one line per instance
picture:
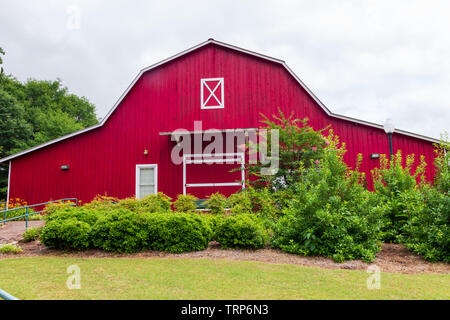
column 127, row 278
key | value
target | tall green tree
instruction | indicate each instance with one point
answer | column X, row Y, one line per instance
column 36, row 111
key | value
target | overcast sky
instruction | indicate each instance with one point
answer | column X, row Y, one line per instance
column 365, row 59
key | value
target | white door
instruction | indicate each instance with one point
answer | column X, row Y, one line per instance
column 146, row 180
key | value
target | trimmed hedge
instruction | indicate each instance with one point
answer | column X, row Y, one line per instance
column 178, row 232
column 66, row 234
column 241, row 231
column 122, row 230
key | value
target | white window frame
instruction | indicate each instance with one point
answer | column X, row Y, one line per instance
column 223, row 158
column 138, row 177
column 203, row 84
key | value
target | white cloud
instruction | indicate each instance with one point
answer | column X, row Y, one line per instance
column 366, row 59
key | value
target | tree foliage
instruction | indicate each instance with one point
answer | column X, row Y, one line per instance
column 298, row 145
column 36, row 111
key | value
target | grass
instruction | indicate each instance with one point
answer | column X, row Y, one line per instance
column 138, row 278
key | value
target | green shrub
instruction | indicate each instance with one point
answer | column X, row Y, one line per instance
column 185, row 203
column 132, row 204
column 51, row 208
column 68, row 233
column 298, row 143
column 102, row 202
column 395, row 185
column 178, row 232
column 120, row 230
column 155, row 203
column 239, row 202
column 427, row 231
column 263, row 203
column 87, row 215
column 216, row 203
column 10, row 248
column 442, row 164
column 331, row 214
column 241, row 231
column 32, row 234
column 214, row 221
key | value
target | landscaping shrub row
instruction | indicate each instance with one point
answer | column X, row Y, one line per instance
column 122, row 230
column 314, row 204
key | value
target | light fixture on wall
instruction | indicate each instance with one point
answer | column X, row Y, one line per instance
column 65, row 167
column 389, row 128
column 145, row 152
column 374, row 156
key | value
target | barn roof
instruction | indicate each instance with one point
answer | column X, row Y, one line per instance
column 232, row 47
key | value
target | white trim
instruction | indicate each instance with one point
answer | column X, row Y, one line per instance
column 181, row 133
column 212, row 41
column 9, row 184
column 229, row 158
column 225, row 184
column 203, row 84
column 155, row 177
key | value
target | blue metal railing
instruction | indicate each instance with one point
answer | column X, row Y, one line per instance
column 200, row 203
column 6, row 296
column 28, row 213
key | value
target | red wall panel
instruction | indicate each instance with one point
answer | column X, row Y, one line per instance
column 166, row 98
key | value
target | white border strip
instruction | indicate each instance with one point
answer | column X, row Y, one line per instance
column 138, row 177
column 9, row 184
column 328, row 112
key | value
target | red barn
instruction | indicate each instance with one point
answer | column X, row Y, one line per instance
column 224, row 87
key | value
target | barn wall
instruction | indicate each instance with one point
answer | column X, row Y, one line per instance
column 167, row 98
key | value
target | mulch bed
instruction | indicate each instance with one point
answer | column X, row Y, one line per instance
column 392, row 258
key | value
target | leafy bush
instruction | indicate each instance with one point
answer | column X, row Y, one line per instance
column 331, row 213
column 250, row 200
column 32, row 234
column 442, row 164
column 185, row 203
column 68, row 233
column 89, row 216
column 152, row 203
column 239, row 202
column 178, row 232
column 298, row 143
column 263, row 203
column 10, row 248
column 56, row 206
column 216, row 203
column 241, row 231
column 214, row 221
column 102, row 202
column 396, row 185
column 132, row 204
column 155, row 203
column 120, row 230
column 427, row 232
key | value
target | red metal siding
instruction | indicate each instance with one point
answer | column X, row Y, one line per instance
column 167, row 98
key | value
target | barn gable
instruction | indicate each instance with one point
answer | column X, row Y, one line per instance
column 170, row 95
column 224, row 45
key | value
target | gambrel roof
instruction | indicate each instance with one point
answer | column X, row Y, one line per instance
column 232, row 47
